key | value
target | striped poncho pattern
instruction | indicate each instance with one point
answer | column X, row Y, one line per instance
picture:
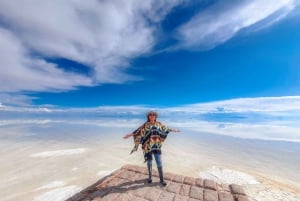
column 151, row 137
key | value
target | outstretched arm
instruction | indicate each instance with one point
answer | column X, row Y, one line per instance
column 175, row 130
column 128, row 135
column 133, row 133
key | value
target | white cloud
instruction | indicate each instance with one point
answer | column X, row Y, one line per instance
column 15, row 99
column 20, row 71
column 222, row 21
column 102, row 34
column 260, row 104
column 268, row 118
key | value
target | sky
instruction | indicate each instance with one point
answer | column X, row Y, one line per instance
column 230, row 63
column 156, row 53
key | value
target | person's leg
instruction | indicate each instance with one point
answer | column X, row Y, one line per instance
column 149, row 165
column 157, row 157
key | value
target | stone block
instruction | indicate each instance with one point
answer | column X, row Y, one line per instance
column 192, row 199
column 124, row 197
column 129, row 184
column 134, row 198
column 240, row 198
column 111, row 196
column 237, row 189
column 178, row 178
column 168, row 176
column 129, row 175
column 199, row 182
column 142, row 170
column 153, row 194
column 174, row 187
column 139, row 176
column 210, row 184
column 100, row 193
column 210, row 195
column 223, row 188
column 166, row 196
column 129, row 167
column 185, row 190
column 116, row 173
column 225, row 196
column 196, row 192
column 189, row 180
column 181, row 198
column 141, row 192
column 115, row 182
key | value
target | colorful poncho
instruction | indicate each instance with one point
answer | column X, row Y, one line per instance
column 151, row 136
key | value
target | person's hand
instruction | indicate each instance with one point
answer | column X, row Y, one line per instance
column 175, row 130
column 127, row 135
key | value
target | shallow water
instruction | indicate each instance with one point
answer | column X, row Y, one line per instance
column 53, row 160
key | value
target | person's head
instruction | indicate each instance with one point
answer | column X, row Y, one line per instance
column 152, row 116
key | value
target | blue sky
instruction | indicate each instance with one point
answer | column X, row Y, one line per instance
column 228, row 67
column 100, row 53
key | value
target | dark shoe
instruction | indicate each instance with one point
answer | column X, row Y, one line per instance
column 161, row 176
column 163, row 183
column 149, row 172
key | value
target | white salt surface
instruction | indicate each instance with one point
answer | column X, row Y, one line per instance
column 256, row 190
column 74, row 169
column 63, row 152
column 59, row 194
column 60, row 160
column 103, row 173
column 51, row 185
column 228, row 176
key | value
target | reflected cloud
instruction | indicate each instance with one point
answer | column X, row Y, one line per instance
column 268, row 118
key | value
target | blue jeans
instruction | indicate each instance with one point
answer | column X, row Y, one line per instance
column 157, row 157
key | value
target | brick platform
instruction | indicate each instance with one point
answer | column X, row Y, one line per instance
column 130, row 184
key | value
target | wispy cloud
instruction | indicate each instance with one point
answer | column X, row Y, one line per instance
column 225, row 19
column 103, row 35
column 21, row 72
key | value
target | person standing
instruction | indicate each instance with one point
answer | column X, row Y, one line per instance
column 151, row 135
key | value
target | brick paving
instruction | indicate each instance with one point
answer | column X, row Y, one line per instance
column 130, row 184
